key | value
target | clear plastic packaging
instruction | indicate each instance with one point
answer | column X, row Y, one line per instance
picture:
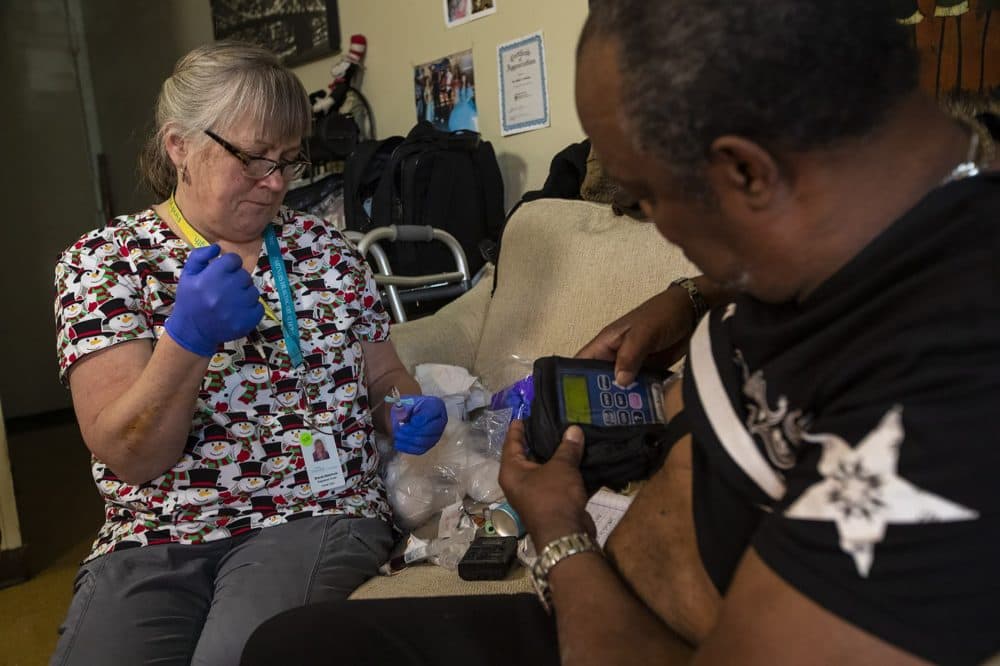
column 461, row 463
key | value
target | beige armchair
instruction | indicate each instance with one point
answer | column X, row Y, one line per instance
column 567, row 268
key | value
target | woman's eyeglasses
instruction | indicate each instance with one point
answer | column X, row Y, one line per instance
column 258, row 167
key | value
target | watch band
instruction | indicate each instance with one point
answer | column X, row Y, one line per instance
column 552, row 554
column 698, row 303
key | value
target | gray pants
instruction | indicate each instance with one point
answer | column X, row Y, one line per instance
column 198, row 604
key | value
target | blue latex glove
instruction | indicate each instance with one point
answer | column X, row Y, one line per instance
column 417, row 423
column 216, row 302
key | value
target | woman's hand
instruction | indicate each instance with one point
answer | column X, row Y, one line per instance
column 417, row 423
column 216, row 302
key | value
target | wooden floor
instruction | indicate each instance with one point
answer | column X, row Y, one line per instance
column 59, row 512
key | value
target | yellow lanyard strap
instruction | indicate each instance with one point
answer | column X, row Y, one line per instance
column 195, row 239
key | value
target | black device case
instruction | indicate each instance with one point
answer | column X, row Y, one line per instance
column 608, row 460
column 488, row 558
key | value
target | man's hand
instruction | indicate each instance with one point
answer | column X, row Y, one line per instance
column 657, row 329
column 549, row 498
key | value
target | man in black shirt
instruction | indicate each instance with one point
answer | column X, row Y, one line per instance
column 834, row 501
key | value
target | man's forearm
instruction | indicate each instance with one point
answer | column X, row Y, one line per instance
column 601, row 622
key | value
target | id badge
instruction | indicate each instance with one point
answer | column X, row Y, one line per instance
column 322, row 460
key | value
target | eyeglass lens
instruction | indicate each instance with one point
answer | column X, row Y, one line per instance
column 259, row 168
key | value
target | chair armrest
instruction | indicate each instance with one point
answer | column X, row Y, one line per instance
column 450, row 335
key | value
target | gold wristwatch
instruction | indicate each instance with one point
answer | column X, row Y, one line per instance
column 554, row 552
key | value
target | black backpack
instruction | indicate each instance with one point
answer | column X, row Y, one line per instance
column 449, row 180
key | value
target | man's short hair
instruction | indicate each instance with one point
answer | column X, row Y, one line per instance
column 791, row 75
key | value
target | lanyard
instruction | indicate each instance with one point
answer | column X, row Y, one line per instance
column 195, row 239
column 289, row 322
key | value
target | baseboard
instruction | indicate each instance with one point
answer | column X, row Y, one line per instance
column 13, row 566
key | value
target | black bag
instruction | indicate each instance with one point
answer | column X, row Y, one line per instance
column 448, row 180
column 335, row 136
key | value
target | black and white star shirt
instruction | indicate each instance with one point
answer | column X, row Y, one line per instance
column 853, row 439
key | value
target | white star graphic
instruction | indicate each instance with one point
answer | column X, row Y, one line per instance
column 862, row 493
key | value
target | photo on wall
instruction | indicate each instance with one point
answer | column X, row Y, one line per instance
column 444, row 91
column 457, row 12
column 298, row 31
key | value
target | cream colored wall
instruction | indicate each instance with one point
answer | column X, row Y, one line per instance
column 404, row 33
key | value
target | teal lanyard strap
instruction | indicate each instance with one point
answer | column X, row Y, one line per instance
column 289, row 322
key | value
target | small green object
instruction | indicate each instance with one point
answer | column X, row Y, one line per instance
column 306, row 439
column 489, row 529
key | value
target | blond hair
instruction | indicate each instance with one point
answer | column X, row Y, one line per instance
column 216, row 86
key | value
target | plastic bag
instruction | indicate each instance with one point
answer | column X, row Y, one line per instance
column 460, row 464
column 495, row 425
column 464, row 462
column 420, row 486
column 517, row 397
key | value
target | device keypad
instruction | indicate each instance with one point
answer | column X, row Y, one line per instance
column 620, row 406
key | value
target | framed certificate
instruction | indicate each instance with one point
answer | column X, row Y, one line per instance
column 524, row 93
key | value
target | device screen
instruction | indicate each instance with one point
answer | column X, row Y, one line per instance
column 590, row 397
column 576, row 399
